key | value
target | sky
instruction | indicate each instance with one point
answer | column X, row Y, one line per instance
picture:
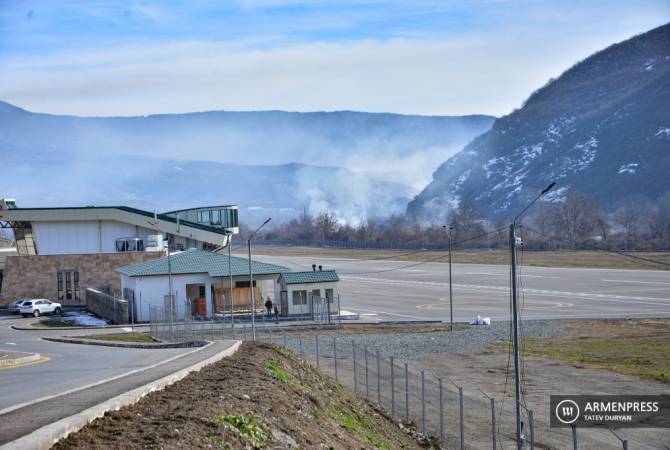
column 429, row 57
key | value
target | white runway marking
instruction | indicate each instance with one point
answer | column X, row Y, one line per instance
column 635, row 281
column 586, row 295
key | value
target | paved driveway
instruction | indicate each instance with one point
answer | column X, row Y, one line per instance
column 70, row 365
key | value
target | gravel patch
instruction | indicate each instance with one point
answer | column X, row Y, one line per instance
column 413, row 345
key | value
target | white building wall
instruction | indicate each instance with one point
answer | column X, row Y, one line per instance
column 309, row 287
column 66, row 238
column 152, row 291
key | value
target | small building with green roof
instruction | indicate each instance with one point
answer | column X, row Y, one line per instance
column 303, row 292
column 201, row 283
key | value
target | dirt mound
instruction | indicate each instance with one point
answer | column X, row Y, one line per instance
column 261, row 397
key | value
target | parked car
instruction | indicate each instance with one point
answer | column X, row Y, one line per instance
column 37, row 307
column 15, row 306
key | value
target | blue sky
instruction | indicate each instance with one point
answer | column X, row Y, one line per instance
column 421, row 57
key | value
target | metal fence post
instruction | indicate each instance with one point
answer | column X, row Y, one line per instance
column 367, row 385
column 493, row 422
column 460, row 398
column 532, row 430
column 423, row 403
column 379, row 381
column 406, row 393
column 574, row 436
column 392, row 390
column 270, row 333
column 439, row 385
column 300, row 342
column 335, row 355
column 353, row 356
column 625, row 445
column 285, row 341
column 316, row 344
column 244, row 330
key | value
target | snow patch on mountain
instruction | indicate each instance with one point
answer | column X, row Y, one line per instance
column 628, row 168
column 663, row 132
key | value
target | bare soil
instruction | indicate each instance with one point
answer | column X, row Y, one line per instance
column 540, row 258
column 261, row 397
column 491, row 373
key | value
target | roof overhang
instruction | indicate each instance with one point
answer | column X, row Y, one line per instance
column 161, row 223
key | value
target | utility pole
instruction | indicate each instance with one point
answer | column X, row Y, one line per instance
column 230, row 276
column 451, row 297
column 251, row 281
column 515, row 319
column 515, row 322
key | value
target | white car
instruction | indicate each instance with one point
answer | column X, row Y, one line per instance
column 15, row 306
column 39, row 306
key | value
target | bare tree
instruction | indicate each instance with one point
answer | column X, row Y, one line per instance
column 576, row 219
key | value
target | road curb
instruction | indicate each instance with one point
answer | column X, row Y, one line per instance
column 45, row 437
column 110, row 327
column 157, row 345
column 13, row 362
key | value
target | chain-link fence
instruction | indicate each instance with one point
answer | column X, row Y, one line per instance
column 437, row 406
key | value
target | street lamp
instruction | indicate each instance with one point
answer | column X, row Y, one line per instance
column 515, row 313
column 251, row 280
column 154, row 223
column 451, row 298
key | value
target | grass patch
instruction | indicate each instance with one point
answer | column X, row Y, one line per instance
column 276, row 371
column 646, row 357
column 357, row 424
column 248, row 426
column 53, row 323
column 121, row 337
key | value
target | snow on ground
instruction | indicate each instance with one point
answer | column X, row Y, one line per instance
column 663, row 132
column 84, row 319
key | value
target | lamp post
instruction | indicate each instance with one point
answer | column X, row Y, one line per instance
column 230, row 277
column 251, row 281
column 154, row 223
column 515, row 317
column 451, row 298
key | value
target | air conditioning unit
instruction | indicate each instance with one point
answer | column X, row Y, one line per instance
column 155, row 243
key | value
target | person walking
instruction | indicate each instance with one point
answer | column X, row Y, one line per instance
column 276, row 311
column 268, row 307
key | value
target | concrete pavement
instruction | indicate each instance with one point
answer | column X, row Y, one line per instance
column 404, row 290
column 21, row 421
column 69, row 366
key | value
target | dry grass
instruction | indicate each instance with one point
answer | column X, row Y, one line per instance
column 592, row 259
column 639, row 348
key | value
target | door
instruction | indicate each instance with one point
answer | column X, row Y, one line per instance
column 68, row 285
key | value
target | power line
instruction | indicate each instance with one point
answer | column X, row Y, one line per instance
column 614, row 252
column 437, row 258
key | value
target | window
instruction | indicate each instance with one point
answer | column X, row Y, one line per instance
column 216, row 217
column 299, row 297
column 329, row 295
column 316, row 294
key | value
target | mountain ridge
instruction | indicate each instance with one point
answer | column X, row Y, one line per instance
column 597, row 128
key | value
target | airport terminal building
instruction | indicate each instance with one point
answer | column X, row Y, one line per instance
column 60, row 252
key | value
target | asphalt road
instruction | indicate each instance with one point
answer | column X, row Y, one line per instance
column 402, row 290
column 70, row 366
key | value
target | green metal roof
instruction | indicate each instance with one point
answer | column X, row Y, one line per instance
column 163, row 216
column 200, row 261
column 314, row 276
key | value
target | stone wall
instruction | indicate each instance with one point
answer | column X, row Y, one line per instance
column 103, row 305
column 35, row 276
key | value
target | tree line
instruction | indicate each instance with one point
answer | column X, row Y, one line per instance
column 575, row 223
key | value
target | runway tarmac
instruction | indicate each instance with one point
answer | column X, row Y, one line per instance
column 402, row 290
